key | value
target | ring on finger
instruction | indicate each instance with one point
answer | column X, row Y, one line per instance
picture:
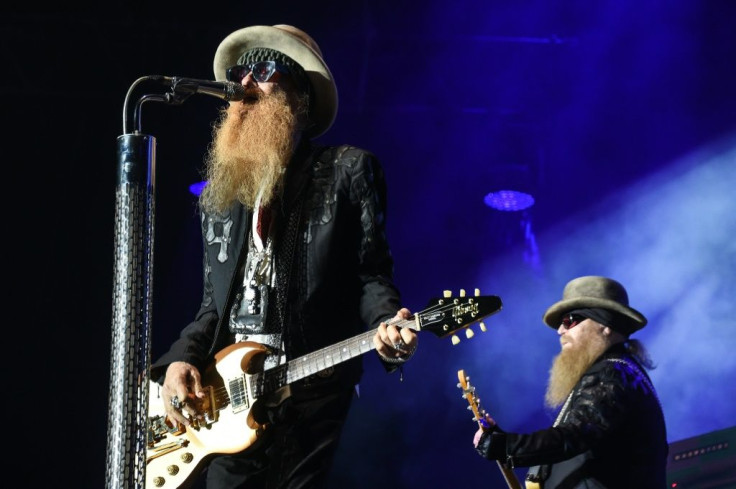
column 176, row 403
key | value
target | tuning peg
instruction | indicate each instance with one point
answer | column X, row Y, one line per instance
column 477, row 292
column 446, row 293
column 455, row 339
column 462, row 292
column 483, row 327
column 469, row 333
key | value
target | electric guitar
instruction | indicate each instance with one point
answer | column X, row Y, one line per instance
column 479, row 416
column 236, row 388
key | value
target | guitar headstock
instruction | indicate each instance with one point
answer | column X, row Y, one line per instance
column 473, row 401
column 449, row 314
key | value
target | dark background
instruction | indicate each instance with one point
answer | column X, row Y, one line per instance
column 618, row 116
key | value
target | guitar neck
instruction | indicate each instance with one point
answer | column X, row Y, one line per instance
column 509, row 476
column 479, row 415
column 317, row 361
column 442, row 317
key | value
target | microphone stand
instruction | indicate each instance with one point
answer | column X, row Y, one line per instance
column 127, row 428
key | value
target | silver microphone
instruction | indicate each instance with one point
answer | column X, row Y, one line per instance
column 225, row 90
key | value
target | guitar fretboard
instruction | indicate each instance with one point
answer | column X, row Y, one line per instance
column 317, row 361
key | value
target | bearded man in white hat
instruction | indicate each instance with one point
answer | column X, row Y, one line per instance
column 296, row 260
column 610, row 431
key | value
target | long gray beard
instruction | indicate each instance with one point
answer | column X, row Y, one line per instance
column 569, row 366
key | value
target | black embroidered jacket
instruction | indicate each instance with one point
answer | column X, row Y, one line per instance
column 340, row 277
column 610, row 433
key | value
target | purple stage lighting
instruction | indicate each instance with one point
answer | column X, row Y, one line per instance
column 509, row 200
column 196, row 188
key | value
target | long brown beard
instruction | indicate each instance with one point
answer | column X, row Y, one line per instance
column 570, row 364
column 252, row 145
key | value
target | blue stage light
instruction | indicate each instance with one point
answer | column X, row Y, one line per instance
column 196, row 188
column 509, row 200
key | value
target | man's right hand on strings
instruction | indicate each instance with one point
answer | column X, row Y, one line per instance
column 182, row 384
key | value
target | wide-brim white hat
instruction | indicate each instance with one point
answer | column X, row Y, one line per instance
column 297, row 45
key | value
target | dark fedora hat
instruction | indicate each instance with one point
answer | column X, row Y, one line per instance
column 593, row 291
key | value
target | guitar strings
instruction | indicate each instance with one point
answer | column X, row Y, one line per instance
column 222, row 395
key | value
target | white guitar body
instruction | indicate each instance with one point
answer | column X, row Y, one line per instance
column 174, row 459
column 236, row 385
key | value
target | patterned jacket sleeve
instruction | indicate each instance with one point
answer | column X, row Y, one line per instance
column 380, row 299
column 601, row 403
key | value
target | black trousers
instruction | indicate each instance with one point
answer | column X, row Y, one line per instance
column 295, row 451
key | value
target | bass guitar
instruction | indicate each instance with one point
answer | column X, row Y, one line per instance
column 479, row 416
column 236, row 387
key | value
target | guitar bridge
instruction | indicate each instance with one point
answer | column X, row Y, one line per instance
column 159, row 427
column 208, row 407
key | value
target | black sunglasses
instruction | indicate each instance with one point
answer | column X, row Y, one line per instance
column 262, row 71
column 569, row 321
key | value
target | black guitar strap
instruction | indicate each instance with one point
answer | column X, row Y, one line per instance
column 287, row 248
column 284, row 265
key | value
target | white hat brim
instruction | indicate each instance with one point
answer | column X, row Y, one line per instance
column 324, row 105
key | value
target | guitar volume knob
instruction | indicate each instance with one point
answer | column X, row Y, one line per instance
column 187, row 457
column 172, row 469
column 158, row 481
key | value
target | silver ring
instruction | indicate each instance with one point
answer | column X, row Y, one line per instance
column 175, row 402
column 400, row 345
